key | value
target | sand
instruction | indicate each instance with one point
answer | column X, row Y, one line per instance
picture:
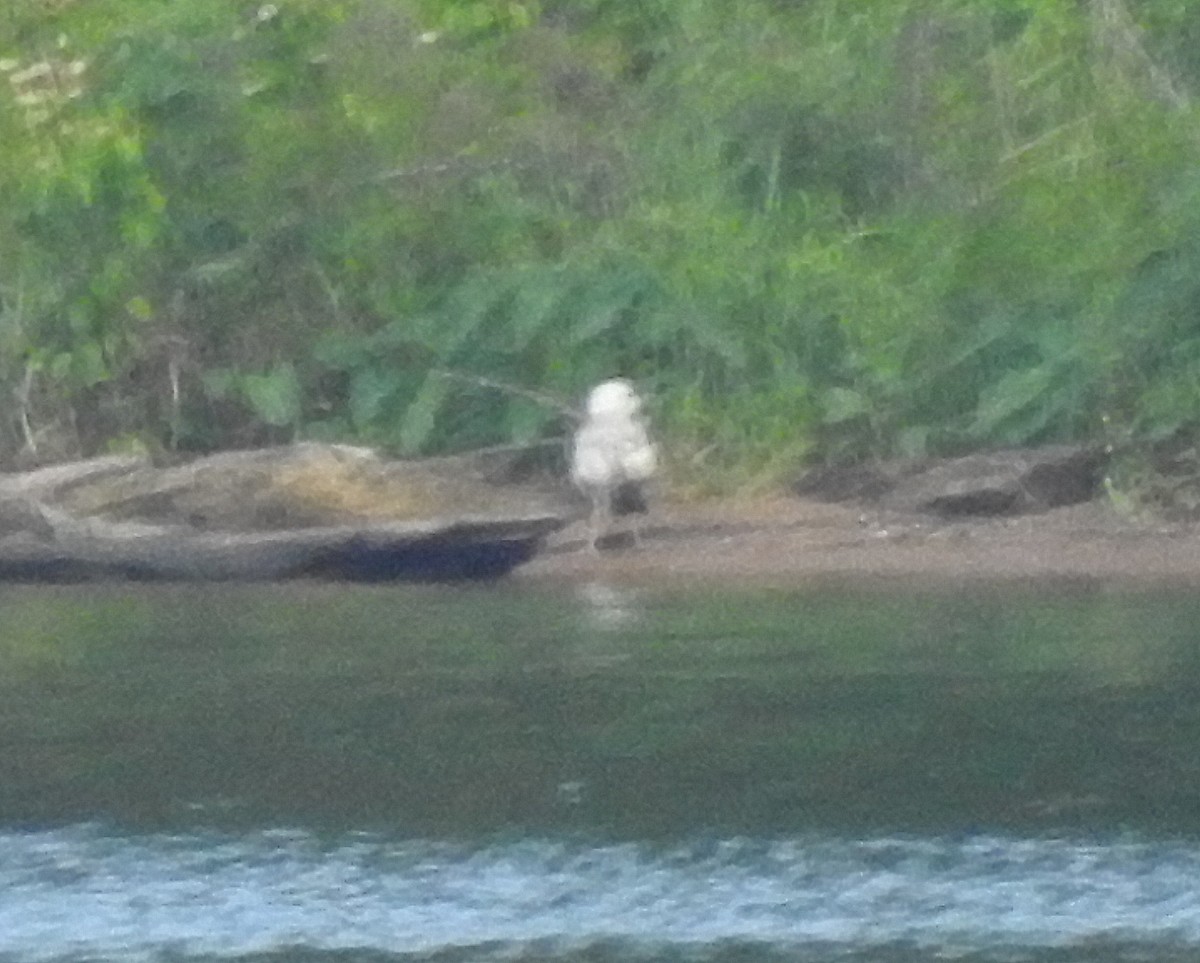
column 788, row 540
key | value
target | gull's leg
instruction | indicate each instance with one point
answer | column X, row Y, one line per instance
column 598, row 523
column 636, row 508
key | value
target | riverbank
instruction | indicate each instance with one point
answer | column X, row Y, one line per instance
column 787, row 539
column 334, row 512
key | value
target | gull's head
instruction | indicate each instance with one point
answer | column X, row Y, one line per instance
column 613, row 399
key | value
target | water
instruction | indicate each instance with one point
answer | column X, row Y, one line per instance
column 83, row 894
column 890, row 773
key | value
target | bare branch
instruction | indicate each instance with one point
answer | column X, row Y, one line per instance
column 538, row 397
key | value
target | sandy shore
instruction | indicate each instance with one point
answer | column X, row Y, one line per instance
column 791, row 540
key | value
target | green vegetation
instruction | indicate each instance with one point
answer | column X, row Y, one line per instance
column 820, row 229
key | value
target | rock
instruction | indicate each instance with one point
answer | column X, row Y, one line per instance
column 994, row 483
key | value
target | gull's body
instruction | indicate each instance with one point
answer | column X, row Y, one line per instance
column 613, row 455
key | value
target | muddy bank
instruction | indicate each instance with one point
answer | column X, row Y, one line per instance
column 1026, row 514
column 790, row 539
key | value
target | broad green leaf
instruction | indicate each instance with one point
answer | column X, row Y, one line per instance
column 61, row 365
column 913, row 442
column 274, row 397
column 219, row 383
column 219, row 269
column 599, row 306
column 526, row 422
column 1016, row 392
column 535, row 306
column 88, row 367
column 139, row 308
column 843, row 404
column 373, row 392
column 342, row 352
column 420, row 418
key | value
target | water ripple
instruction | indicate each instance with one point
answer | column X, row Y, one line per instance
column 79, row 893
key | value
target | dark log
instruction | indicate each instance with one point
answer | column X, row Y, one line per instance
column 451, row 550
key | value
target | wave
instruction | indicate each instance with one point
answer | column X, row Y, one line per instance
column 82, row 893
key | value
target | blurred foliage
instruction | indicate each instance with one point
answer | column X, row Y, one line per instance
column 811, row 230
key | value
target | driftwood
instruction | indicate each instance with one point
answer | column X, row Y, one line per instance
column 49, row 483
column 305, row 511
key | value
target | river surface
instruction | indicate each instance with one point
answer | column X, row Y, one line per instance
column 889, row 772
